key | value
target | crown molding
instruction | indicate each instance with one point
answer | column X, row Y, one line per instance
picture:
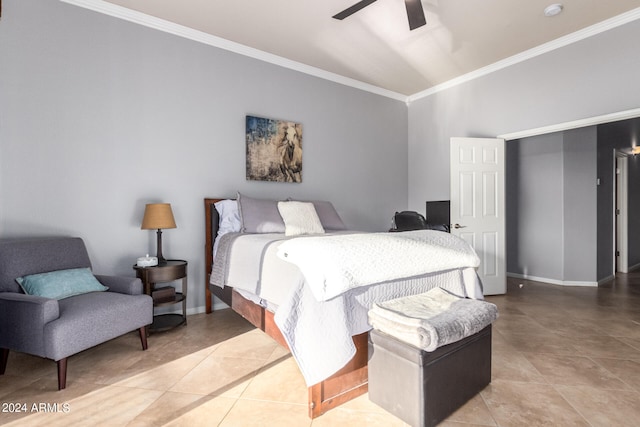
column 575, row 124
column 140, row 18
column 208, row 39
column 577, row 36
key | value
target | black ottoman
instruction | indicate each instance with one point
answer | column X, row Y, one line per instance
column 423, row 388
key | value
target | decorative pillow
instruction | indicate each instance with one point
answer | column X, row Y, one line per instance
column 229, row 217
column 300, row 218
column 328, row 216
column 260, row 215
column 61, row 283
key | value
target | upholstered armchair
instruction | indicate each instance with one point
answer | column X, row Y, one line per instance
column 52, row 306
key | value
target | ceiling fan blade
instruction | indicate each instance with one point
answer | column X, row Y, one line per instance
column 353, row 9
column 415, row 13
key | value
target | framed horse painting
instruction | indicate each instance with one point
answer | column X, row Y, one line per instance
column 274, row 150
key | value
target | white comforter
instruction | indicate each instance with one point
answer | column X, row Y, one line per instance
column 332, row 265
column 319, row 332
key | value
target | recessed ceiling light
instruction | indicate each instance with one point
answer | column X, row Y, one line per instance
column 553, row 9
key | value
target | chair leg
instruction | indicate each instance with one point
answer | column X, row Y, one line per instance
column 62, row 374
column 143, row 337
column 4, row 358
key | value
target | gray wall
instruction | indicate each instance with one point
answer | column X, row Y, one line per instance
column 534, row 206
column 580, row 216
column 551, row 206
column 99, row 116
column 593, row 77
column 589, row 78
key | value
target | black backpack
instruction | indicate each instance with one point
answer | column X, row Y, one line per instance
column 408, row 220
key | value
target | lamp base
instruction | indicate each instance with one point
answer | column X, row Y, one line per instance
column 161, row 259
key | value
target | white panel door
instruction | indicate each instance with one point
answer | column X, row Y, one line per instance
column 478, row 205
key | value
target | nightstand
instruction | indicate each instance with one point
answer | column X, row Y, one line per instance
column 171, row 270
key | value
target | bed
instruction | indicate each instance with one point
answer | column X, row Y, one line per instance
column 291, row 314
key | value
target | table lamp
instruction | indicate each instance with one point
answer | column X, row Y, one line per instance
column 158, row 216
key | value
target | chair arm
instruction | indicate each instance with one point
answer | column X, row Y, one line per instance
column 122, row 284
column 22, row 320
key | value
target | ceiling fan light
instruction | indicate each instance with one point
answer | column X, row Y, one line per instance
column 553, row 9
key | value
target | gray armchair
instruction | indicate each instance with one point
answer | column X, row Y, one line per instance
column 58, row 328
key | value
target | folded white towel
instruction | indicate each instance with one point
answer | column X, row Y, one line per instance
column 432, row 319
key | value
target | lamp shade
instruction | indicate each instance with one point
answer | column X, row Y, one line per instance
column 157, row 216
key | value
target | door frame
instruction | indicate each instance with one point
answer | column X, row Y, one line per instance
column 620, row 212
column 574, row 124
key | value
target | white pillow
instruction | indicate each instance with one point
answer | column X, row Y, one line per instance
column 229, row 221
column 229, row 216
column 300, row 218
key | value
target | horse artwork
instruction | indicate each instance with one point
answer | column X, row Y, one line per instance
column 274, row 150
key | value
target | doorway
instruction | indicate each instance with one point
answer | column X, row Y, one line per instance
column 620, row 213
column 619, row 131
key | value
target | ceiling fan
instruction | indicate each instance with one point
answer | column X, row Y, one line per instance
column 415, row 13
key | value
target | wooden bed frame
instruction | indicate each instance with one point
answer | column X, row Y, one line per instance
column 348, row 383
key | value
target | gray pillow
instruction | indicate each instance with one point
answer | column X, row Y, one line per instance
column 328, row 215
column 260, row 215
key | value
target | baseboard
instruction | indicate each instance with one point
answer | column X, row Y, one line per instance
column 552, row 281
column 196, row 310
column 633, row 268
column 606, row 279
column 217, row 305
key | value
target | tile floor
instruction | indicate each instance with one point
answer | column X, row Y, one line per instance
column 562, row 356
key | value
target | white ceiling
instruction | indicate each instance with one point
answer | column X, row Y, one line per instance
column 374, row 46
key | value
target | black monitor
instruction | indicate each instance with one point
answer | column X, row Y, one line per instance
column 438, row 214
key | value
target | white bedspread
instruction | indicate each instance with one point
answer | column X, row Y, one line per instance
column 319, row 332
column 333, row 265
